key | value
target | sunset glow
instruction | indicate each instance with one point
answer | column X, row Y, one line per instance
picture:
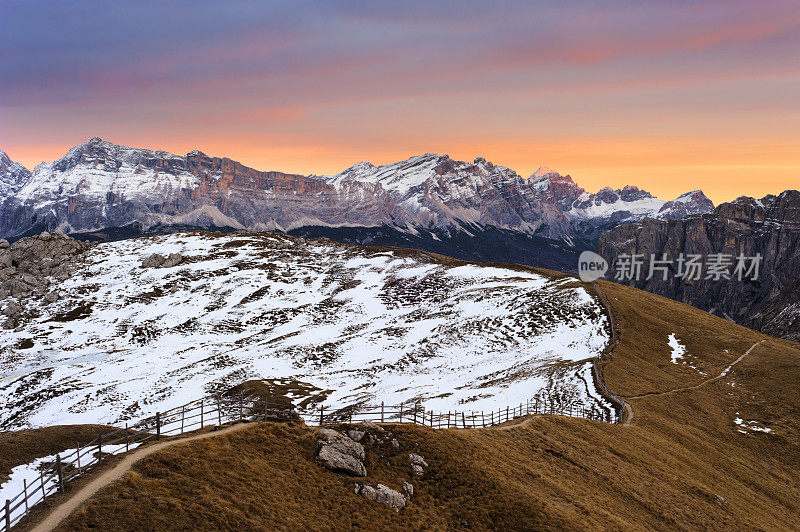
column 667, row 96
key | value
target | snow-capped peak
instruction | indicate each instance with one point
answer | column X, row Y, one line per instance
column 694, row 202
column 541, row 172
column 12, row 175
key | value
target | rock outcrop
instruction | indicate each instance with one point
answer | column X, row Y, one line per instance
column 768, row 227
column 157, row 260
column 32, row 267
column 383, row 495
column 338, row 452
column 418, row 464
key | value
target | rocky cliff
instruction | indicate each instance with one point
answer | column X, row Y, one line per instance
column 748, row 227
column 428, row 201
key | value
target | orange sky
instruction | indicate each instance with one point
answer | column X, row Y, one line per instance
column 670, row 97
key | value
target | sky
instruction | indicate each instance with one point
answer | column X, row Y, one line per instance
column 666, row 95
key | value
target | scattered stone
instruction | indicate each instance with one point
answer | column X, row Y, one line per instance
column 173, row 260
column 356, row 435
column 384, row 495
column 340, row 453
column 373, row 426
column 156, row 260
column 719, row 499
column 395, row 443
column 408, row 487
column 418, row 464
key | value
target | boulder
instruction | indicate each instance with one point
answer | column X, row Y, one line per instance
column 156, row 260
column 340, row 453
column 384, row 495
column 408, row 488
column 418, row 464
column 356, row 435
column 373, row 426
column 173, row 260
column 153, row 261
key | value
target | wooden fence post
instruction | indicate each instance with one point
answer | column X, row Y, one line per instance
column 100, row 449
column 241, row 406
column 78, row 455
column 158, row 425
column 41, row 479
column 8, row 515
column 219, row 412
column 382, row 406
column 401, row 412
column 201, row 413
column 127, row 445
column 183, row 416
column 416, row 407
column 60, row 474
column 321, row 410
column 507, row 418
column 25, row 493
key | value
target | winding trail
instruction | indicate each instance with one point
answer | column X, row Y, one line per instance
column 696, row 386
column 60, row 512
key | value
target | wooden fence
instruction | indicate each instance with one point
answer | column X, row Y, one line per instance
column 218, row 410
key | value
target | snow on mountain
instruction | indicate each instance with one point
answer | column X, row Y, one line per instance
column 12, row 176
column 98, row 168
column 345, row 324
column 694, row 202
column 429, row 201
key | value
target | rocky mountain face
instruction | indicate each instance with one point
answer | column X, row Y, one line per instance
column 748, row 227
column 31, row 268
column 472, row 210
column 12, row 176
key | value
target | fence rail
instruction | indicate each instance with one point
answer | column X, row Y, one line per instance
column 218, row 410
column 215, row 411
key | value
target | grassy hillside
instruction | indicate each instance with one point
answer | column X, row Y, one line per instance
column 683, row 464
column 23, row 446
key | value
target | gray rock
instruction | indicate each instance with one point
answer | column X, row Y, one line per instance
column 153, row 261
column 384, row 495
column 373, row 426
column 156, row 260
column 339, row 453
column 418, row 464
column 51, row 297
column 417, row 459
column 408, row 488
column 395, row 443
column 173, row 260
column 356, row 435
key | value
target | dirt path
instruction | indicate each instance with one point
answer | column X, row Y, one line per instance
column 696, row 386
column 63, row 510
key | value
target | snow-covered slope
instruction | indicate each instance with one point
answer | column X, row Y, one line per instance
column 347, row 324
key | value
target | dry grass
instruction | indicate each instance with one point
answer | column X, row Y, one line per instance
column 24, row 446
column 681, row 465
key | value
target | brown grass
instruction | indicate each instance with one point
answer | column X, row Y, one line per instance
column 682, row 464
column 24, row 446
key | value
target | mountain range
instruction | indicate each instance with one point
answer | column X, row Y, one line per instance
column 475, row 210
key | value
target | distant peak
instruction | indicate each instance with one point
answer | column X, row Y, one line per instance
column 542, row 171
column 196, row 153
